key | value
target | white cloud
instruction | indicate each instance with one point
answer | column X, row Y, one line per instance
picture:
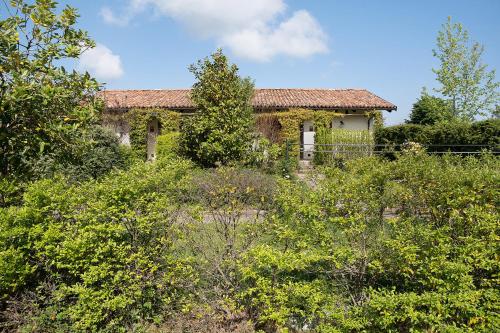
column 109, row 17
column 300, row 36
column 254, row 29
column 101, row 62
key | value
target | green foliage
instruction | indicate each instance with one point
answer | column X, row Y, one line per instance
column 284, row 127
column 167, row 145
column 348, row 138
column 97, row 256
column 270, row 158
column 465, row 81
column 376, row 246
column 10, row 191
column 485, row 132
column 41, row 107
column 381, row 246
column 139, row 119
column 429, row 110
column 220, row 131
column 98, row 153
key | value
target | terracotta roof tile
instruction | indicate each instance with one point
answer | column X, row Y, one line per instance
column 263, row 98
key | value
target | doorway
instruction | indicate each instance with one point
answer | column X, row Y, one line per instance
column 307, row 133
column 153, row 132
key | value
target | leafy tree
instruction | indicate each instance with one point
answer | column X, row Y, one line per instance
column 220, row 131
column 464, row 79
column 429, row 110
column 41, row 105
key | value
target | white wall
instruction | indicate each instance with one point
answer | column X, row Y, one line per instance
column 351, row 122
column 308, row 139
column 122, row 130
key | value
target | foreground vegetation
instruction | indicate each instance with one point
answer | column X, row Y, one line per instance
column 403, row 245
column 94, row 239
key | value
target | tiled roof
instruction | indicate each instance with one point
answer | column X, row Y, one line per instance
column 263, row 98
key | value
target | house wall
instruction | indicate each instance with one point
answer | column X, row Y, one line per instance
column 122, row 130
column 353, row 122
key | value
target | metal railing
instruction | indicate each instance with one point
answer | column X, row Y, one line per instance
column 350, row 150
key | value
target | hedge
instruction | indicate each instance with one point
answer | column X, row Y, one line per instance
column 444, row 137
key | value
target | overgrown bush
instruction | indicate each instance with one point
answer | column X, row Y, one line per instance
column 376, row 246
column 99, row 256
column 444, row 136
column 40, row 100
column 232, row 204
column 381, row 246
column 220, row 131
column 98, row 154
column 167, row 145
column 271, row 158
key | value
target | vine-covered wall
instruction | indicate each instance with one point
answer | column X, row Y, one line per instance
column 288, row 123
column 378, row 118
column 276, row 126
column 138, row 120
column 291, row 120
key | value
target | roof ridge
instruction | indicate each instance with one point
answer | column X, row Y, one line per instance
column 263, row 97
column 158, row 89
column 258, row 88
column 333, row 89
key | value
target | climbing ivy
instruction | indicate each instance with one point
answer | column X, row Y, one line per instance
column 287, row 123
column 378, row 118
column 284, row 126
column 291, row 120
column 138, row 120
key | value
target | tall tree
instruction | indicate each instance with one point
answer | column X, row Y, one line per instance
column 464, row 79
column 220, row 131
column 41, row 104
column 429, row 110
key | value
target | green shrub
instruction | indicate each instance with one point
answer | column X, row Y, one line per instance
column 429, row 110
column 270, row 158
column 10, row 191
column 100, row 153
column 167, row 145
column 446, row 135
column 407, row 245
column 376, row 246
column 97, row 256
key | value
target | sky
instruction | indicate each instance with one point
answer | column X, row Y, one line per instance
column 384, row 46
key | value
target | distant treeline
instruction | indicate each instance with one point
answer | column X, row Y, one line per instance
column 453, row 136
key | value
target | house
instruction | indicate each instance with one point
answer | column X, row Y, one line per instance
column 355, row 107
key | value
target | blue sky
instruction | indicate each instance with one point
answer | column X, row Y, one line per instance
column 384, row 46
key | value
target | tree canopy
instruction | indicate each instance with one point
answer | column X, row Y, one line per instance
column 42, row 105
column 220, row 131
column 429, row 110
column 465, row 80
